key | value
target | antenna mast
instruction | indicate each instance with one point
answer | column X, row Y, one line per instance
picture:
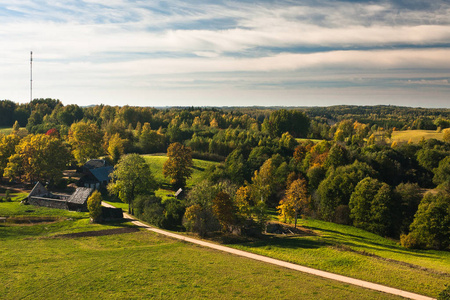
column 31, row 76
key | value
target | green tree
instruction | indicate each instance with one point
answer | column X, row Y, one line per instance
column 371, row 206
column 293, row 121
column 199, row 216
column 85, row 141
column 131, row 177
column 178, row 166
column 338, row 186
column 94, row 205
column 442, row 172
column 431, row 225
column 409, row 196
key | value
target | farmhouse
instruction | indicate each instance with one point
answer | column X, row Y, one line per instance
column 40, row 196
column 95, row 174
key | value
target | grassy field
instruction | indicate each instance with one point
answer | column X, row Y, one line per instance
column 157, row 161
column 356, row 253
column 5, row 130
column 315, row 141
column 37, row 263
column 415, row 135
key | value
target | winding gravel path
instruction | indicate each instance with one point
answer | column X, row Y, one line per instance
column 344, row 279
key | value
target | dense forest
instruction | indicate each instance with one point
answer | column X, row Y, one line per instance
column 333, row 163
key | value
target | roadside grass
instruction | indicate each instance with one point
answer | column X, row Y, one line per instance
column 359, row 254
column 144, row 265
column 415, row 135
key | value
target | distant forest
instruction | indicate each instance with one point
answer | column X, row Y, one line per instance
column 334, row 163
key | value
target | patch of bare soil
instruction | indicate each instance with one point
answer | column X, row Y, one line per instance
column 30, row 221
column 98, row 232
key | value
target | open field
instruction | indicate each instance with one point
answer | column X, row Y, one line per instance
column 157, row 161
column 5, row 130
column 415, row 135
column 315, row 141
column 356, row 253
column 38, row 264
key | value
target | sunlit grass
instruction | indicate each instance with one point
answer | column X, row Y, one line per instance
column 36, row 263
column 356, row 253
column 415, row 135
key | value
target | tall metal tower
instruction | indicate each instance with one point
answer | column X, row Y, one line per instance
column 31, row 76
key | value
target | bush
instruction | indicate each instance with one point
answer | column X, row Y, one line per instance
column 94, row 205
column 445, row 294
column 409, row 241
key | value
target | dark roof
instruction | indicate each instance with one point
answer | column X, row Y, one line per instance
column 95, row 163
column 38, row 190
column 80, row 195
column 102, row 174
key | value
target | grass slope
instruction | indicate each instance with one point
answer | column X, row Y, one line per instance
column 37, row 265
column 156, row 163
column 356, row 253
column 415, row 135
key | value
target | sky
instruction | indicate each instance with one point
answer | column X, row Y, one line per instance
column 227, row 53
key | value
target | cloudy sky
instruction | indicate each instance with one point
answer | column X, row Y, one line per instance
column 227, row 53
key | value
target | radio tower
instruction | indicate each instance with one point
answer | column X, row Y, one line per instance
column 31, row 76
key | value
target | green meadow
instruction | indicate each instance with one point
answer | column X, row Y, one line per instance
column 415, row 136
column 36, row 262
column 356, row 253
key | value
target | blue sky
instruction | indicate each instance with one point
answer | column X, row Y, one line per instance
column 227, row 53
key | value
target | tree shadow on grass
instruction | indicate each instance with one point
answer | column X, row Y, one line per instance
column 286, row 242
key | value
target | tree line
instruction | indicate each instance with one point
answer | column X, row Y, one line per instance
column 351, row 176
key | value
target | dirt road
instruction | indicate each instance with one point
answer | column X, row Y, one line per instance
column 344, row 279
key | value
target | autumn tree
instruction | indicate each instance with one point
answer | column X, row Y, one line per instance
column 7, row 148
column 38, row 157
column 178, row 166
column 94, row 205
column 224, row 210
column 85, row 139
column 116, row 147
column 131, row 177
column 243, row 202
column 295, row 201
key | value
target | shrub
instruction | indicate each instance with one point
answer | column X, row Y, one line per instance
column 94, row 205
column 409, row 241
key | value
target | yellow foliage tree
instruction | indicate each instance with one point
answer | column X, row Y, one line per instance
column 295, row 201
column 85, row 141
column 38, row 157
